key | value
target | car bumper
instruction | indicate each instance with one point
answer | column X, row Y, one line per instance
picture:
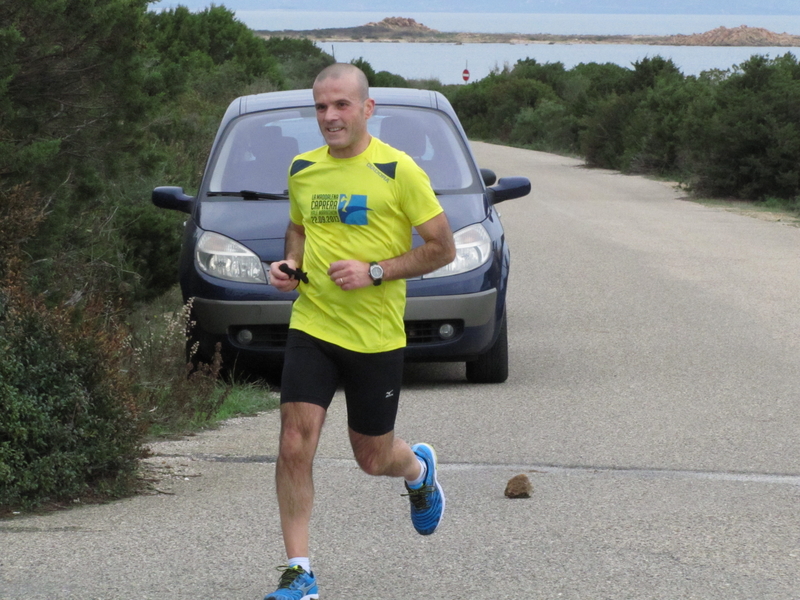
column 451, row 327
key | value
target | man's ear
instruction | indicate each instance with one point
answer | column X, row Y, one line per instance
column 369, row 107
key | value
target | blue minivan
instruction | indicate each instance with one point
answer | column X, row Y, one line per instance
column 238, row 219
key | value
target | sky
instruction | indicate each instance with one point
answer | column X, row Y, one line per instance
column 700, row 7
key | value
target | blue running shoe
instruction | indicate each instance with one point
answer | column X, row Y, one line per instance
column 295, row 584
column 427, row 501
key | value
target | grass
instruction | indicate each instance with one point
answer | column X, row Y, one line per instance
column 246, row 400
column 240, row 400
column 175, row 401
column 774, row 210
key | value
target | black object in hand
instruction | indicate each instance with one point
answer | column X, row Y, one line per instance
column 294, row 273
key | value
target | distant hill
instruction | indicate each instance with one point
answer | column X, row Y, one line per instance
column 738, row 36
column 636, row 7
column 400, row 29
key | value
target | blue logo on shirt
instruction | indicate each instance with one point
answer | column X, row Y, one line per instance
column 353, row 210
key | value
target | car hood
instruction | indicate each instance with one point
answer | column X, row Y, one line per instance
column 245, row 220
column 261, row 224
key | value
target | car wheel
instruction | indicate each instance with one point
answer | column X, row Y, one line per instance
column 492, row 366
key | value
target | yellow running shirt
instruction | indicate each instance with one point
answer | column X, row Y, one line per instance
column 360, row 208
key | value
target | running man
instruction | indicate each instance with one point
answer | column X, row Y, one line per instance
column 353, row 204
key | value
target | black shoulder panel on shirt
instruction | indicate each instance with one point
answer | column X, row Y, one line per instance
column 387, row 169
column 299, row 165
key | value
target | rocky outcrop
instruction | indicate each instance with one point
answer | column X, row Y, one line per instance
column 401, row 24
column 737, row 36
column 401, row 29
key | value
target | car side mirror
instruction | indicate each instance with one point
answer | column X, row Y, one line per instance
column 489, row 178
column 172, row 198
column 509, row 188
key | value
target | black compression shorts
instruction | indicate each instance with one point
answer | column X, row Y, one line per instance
column 313, row 369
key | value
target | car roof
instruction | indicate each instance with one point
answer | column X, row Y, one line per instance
column 297, row 98
column 304, row 98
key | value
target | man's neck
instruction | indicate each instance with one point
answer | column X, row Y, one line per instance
column 351, row 151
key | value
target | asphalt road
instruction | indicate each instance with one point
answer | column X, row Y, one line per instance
column 653, row 401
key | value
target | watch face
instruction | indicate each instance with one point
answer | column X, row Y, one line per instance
column 375, row 271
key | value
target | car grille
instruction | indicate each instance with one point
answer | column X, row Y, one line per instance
column 264, row 336
column 427, row 332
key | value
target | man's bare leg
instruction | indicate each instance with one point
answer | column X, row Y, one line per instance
column 301, row 424
column 385, row 455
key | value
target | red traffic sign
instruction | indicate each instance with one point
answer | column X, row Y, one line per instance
column 465, row 75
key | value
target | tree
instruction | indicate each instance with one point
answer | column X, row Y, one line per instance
column 207, row 39
column 70, row 87
column 745, row 138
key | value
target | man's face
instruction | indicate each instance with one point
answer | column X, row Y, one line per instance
column 342, row 115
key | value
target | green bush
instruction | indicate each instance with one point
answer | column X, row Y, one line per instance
column 744, row 137
column 653, row 142
column 99, row 102
column 603, row 137
column 299, row 61
column 726, row 133
column 488, row 108
column 68, row 422
column 68, row 418
column 175, row 393
column 548, row 127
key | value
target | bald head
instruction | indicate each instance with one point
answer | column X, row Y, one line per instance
column 343, row 106
column 346, row 71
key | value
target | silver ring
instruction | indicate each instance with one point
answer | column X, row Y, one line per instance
column 341, row 281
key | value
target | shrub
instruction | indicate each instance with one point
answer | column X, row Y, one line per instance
column 175, row 391
column 488, row 108
column 68, row 420
column 299, row 61
column 549, row 127
column 745, row 138
column 603, row 139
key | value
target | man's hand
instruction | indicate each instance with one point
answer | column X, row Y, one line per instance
column 283, row 282
column 294, row 273
column 350, row 274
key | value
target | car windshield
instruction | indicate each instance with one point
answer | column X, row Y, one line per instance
column 257, row 149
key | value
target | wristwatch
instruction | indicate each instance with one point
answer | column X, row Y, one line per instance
column 375, row 273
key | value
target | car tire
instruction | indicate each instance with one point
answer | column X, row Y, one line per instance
column 492, row 366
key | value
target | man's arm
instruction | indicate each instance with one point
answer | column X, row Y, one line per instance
column 437, row 251
column 293, row 249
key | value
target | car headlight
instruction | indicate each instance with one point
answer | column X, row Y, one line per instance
column 473, row 249
column 222, row 257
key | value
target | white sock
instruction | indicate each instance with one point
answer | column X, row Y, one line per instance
column 301, row 561
column 418, row 481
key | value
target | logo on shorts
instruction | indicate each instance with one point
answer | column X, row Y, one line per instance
column 390, row 394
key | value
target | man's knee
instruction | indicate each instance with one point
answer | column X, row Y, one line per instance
column 301, row 425
column 373, row 454
column 371, row 464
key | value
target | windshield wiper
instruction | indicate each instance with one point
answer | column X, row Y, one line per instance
column 251, row 195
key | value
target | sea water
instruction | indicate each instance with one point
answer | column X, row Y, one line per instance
column 446, row 62
column 530, row 23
